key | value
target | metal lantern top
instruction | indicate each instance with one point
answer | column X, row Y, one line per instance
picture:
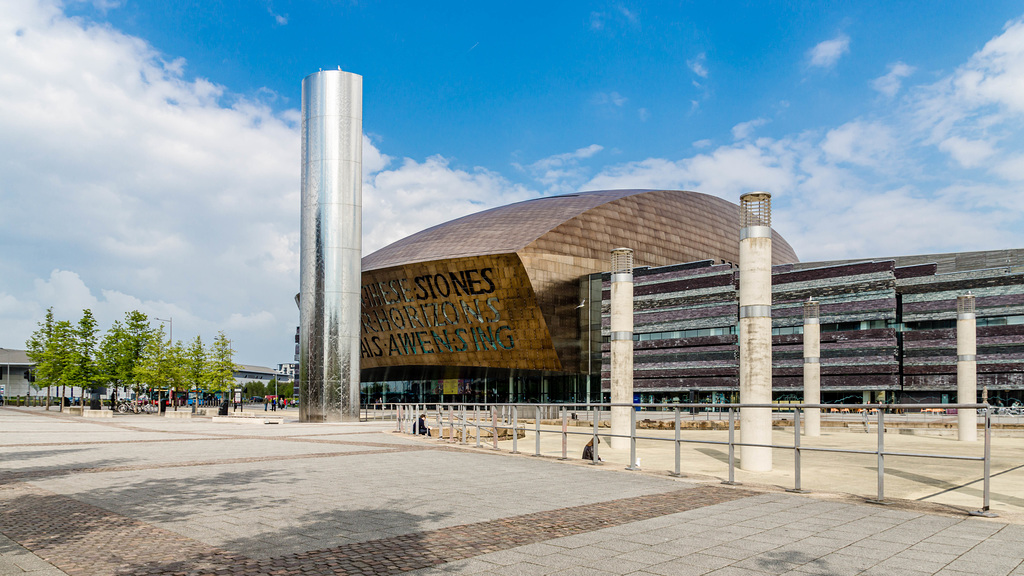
column 622, row 261
column 965, row 304
column 756, row 209
column 812, row 310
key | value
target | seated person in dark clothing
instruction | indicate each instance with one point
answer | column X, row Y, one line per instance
column 588, row 450
column 420, row 427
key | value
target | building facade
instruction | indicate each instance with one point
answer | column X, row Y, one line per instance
column 488, row 307
column 888, row 329
column 512, row 305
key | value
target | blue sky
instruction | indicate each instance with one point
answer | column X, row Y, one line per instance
column 149, row 150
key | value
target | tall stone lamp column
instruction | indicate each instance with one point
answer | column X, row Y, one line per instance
column 755, row 324
column 812, row 367
column 621, row 344
column 330, row 246
column 966, row 368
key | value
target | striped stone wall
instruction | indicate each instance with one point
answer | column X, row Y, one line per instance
column 879, row 329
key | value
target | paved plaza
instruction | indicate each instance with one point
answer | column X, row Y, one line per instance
column 142, row 494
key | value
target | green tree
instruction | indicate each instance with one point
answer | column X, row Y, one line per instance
column 38, row 351
column 62, row 356
column 221, row 365
column 196, row 371
column 161, row 363
column 254, row 388
column 121, row 350
column 83, row 372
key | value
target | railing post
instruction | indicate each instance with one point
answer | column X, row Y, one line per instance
column 494, row 426
column 987, row 464
column 515, row 429
column 632, row 439
column 462, row 439
column 451, row 423
column 796, row 453
column 597, row 420
column 536, row 423
column 476, row 417
column 678, row 426
column 565, row 435
column 881, row 456
column 732, row 448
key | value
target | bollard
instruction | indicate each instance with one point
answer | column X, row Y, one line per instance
column 565, row 436
column 515, row 430
column 985, row 512
column 732, row 449
column 494, row 427
column 678, row 427
column 881, row 458
column 536, row 421
column 632, row 440
column 796, row 454
column 462, row 439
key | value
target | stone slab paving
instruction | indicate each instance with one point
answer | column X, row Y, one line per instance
column 358, row 499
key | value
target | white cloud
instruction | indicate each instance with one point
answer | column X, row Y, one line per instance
column 404, row 200
column 142, row 185
column 969, row 153
column 826, row 54
column 619, row 16
column 743, row 130
column 858, row 142
column 872, row 187
column 643, row 114
column 890, row 84
column 727, row 172
column 561, row 173
column 699, row 65
column 609, row 99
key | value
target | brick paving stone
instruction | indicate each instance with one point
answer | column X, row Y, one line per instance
column 76, row 537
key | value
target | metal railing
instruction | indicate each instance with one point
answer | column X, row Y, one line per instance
column 495, row 418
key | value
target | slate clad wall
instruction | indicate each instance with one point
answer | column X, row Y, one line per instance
column 706, row 297
column 851, row 360
column 863, row 307
column 929, row 356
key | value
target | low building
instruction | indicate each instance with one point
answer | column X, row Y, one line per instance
column 15, row 374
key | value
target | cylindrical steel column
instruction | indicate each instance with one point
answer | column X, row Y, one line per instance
column 812, row 367
column 755, row 323
column 966, row 368
column 331, row 246
column 622, row 345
